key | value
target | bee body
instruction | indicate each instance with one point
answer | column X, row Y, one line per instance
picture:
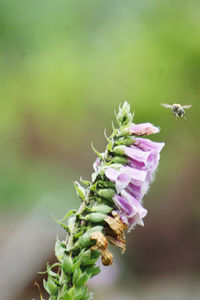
column 176, row 109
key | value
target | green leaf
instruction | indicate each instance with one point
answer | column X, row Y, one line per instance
column 67, row 265
column 53, row 274
column 94, row 176
column 71, row 212
column 95, row 254
column 105, row 183
column 110, row 146
column 78, row 234
column 67, row 296
column 92, row 271
column 60, row 250
column 95, row 151
column 78, row 259
column 46, row 286
column 105, row 134
column 66, row 228
column 82, row 279
column 93, row 187
column 52, row 287
column 86, row 182
column 80, row 190
column 76, row 275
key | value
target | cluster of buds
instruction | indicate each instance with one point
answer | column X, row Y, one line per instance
column 110, row 204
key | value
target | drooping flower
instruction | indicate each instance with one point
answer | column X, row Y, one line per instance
column 140, row 129
column 132, row 179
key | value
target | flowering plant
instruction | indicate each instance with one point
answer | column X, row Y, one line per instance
column 111, row 204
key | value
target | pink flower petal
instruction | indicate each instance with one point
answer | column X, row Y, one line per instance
column 143, row 129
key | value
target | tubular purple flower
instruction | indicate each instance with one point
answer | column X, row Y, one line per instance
column 130, row 210
column 148, row 145
column 143, row 129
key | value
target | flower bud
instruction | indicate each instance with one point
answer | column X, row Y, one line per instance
column 126, row 142
column 102, row 208
column 84, row 240
column 124, row 132
column 119, row 150
column 120, row 160
column 106, row 193
column 95, row 217
column 124, row 116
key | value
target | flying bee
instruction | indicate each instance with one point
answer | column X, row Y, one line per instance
column 177, row 109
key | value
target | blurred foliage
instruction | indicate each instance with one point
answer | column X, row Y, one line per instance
column 66, row 65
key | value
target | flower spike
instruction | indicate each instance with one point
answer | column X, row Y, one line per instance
column 111, row 205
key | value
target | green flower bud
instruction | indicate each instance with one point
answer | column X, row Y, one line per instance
column 106, row 193
column 84, row 240
column 102, row 208
column 119, row 150
column 67, row 265
column 96, row 217
column 120, row 159
column 124, row 116
column 124, row 132
column 126, row 142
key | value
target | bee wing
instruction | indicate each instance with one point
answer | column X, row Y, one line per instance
column 166, row 105
column 187, row 106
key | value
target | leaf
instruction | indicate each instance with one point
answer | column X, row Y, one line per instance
column 92, row 271
column 46, row 286
column 64, row 226
column 49, row 268
column 76, row 275
column 52, row 287
column 59, row 250
column 113, row 127
column 107, row 138
column 80, row 190
column 67, row 265
column 110, row 146
column 94, row 176
column 71, row 212
column 67, row 296
column 52, row 274
column 95, row 151
column 86, row 182
column 78, row 234
column 82, row 279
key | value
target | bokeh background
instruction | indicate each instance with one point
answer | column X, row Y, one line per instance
column 65, row 66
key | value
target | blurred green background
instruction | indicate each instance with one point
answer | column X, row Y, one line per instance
column 64, row 67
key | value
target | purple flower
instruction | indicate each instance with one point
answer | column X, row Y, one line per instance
column 130, row 210
column 143, row 129
column 133, row 179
